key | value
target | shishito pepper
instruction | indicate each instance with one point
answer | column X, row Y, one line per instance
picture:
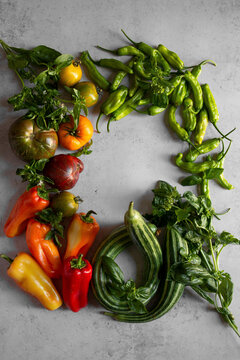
column 30, row 277
column 27, row 205
column 44, row 251
column 81, row 234
column 77, row 273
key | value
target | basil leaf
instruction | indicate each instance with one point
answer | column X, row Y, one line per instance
column 137, row 306
column 226, row 290
column 111, row 268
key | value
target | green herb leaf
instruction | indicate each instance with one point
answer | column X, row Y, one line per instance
column 226, row 289
column 111, row 268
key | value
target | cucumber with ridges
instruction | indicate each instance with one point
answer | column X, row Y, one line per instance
column 143, row 237
column 171, row 291
column 115, row 243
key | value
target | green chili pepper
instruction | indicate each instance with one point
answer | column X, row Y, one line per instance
column 194, row 179
column 220, row 178
column 134, row 85
column 93, row 72
column 204, row 148
column 171, row 57
column 163, row 63
column 211, row 107
column 125, row 51
column 145, row 48
column 179, row 93
column 175, row 126
column 126, row 108
column 201, row 126
column 117, row 80
column 113, row 64
column 205, row 186
column 189, row 117
column 210, row 104
column 152, row 110
column 144, row 101
column 113, row 102
column 195, row 168
column 196, row 89
column 140, row 71
column 196, row 71
column 119, row 77
column 173, row 83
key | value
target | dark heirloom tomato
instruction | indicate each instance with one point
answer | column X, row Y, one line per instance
column 64, row 170
column 88, row 90
column 29, row 142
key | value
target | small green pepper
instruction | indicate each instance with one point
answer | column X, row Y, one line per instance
column 179, row 93
column 93, row 72
column 134, row 85
column 163, row 63
column 196, row 89
column 189, row 117
column 145, row 48
column 113, row 64
column 205, row 186
column 196, row 71
column 126, row 108
column 204, row 148
column 152, row 110
column 201, row 126
column 171, row 57
column 140, row 71
column 175, row 126
column 210, row 104
column 221, row 179
column 195, row 168
column 125, row 51
column 119, row 77
column 113, row 102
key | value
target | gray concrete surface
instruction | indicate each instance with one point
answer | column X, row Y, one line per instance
column 124, row 166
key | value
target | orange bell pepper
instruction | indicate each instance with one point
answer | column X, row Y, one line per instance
column 25, row 208
column 31, row 278
column 81, row 234
column 44, row 251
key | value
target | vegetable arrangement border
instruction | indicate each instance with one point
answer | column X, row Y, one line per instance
column 153, row 80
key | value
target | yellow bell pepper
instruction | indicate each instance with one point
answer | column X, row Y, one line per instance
column 31, row 278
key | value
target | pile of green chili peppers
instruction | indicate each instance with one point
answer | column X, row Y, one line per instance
column 157, row 80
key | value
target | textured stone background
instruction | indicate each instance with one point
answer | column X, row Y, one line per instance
column 124, row 166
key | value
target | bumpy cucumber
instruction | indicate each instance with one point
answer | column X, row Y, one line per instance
column 144, row 238
column 171, row 290
column 115, row 243
column 135, row 231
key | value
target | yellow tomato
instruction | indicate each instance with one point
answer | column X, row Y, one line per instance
column 71, row 74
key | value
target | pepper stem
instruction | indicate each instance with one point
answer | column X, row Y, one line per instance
column 87, row 218
column 97, row 122
column 6, row 258
column 104, row 49
column 224, row 136
column 78, row 263
column 133, row 42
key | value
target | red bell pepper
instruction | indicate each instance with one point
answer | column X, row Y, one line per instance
column 27, row 205
column 77, row 274
column 44, row 251
column 81, row 234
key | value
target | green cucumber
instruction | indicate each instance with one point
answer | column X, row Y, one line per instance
column 144, row 238
column 115, row 243
column 171, row 291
